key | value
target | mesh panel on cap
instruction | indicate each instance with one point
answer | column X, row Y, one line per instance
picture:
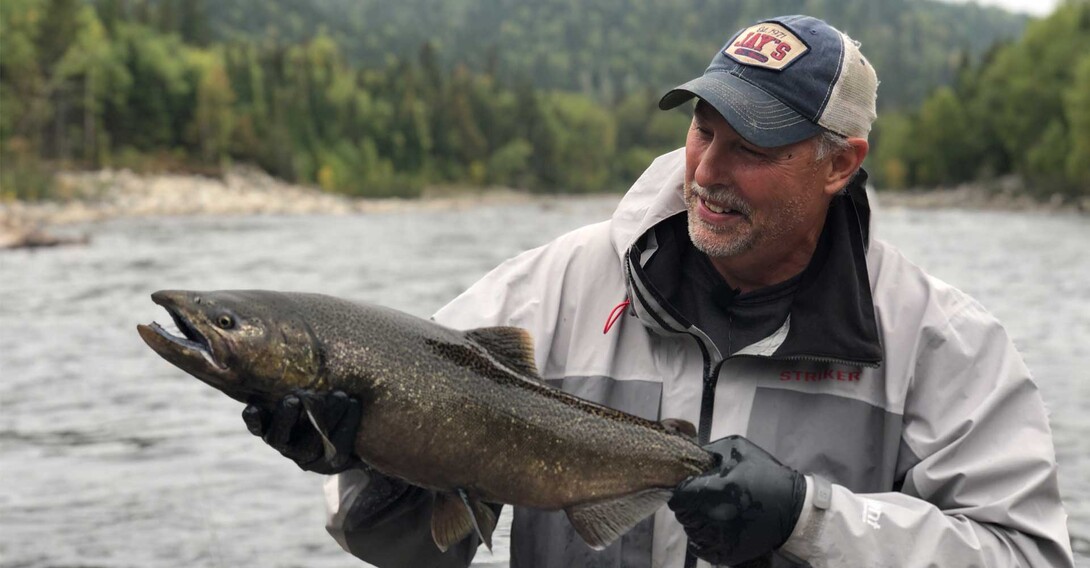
column 851, row 108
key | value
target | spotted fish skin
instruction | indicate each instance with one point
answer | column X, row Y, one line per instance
column 443, row 409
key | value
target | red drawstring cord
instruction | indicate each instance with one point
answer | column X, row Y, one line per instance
column 616, row 314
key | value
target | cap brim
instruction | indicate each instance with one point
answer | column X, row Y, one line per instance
column 756, row 115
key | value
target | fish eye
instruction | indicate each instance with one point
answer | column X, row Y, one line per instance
column 225, row 321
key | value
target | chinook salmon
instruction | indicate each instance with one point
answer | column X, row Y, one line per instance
column 463, row 413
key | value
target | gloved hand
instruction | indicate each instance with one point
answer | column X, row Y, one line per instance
column 744, row 507
column 289, row 430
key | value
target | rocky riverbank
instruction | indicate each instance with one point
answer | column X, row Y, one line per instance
column 108, row 194
column 1004, row 194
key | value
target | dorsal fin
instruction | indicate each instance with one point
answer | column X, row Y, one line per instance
column 511, row 346
column 683, row 427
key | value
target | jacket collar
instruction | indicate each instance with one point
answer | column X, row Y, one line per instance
column 832, row 317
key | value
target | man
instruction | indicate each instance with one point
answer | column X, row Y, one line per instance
column 865, row 414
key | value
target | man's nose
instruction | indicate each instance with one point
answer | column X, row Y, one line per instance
column 714, row 166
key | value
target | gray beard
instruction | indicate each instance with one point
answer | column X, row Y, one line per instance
column 713, row 241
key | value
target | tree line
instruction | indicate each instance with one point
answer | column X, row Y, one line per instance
column 606, row 48
column 374, row 98
column 88, row 86
column 1024, row 110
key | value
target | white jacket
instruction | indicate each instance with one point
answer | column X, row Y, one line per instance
column 897, row 388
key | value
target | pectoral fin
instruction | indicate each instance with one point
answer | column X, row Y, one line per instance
column 328, row 448
column 484, row 518
column 455, row 515
column 601, row 522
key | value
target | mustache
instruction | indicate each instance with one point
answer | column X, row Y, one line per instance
column 720, row 196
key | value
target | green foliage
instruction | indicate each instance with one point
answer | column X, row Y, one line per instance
column 943, row 142
column 1045, row 160
column 894, row 150
column 213, row 116
column 1024, row 85
column 154, row 111
column 93, row 66
column 605, row 49
column 373, row 98
column 22, row 82
column 1077, row 111
column 22, row 175
column 1025, row 110
column 508, row 165
column 581, row 142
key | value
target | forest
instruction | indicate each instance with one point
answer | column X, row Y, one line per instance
column 373, row 98
column 1024, row 110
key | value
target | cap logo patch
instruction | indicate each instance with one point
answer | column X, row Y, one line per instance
column 767, row 45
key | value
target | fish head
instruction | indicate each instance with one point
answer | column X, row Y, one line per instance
column 249, row 344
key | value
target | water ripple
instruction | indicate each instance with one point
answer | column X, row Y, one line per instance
column 110, row 458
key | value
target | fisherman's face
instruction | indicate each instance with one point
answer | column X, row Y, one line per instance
column 748, row 200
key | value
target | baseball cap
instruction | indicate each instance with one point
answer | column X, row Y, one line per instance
column 786, row 79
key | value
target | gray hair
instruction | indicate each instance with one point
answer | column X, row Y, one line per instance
column 829, row 143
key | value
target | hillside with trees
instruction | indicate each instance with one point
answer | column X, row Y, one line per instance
column 376, row 98
column 606, row 48
column 603, row 48
column 1024, row 111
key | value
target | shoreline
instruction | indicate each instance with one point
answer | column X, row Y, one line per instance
column 976, row 197
column 1006, row 193
column 95, row 196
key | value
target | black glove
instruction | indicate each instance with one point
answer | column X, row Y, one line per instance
column 744, row 507
column 288, row 429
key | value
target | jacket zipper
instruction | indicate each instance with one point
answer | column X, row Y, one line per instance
column 707, row 394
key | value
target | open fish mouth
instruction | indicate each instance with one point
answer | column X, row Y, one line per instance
column 191, row 343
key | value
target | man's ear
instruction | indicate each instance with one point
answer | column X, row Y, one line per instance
column 844, row 165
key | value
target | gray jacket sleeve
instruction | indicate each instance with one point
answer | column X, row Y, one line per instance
column 981, row 489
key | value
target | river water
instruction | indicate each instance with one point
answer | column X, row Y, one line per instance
column 109, row 456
